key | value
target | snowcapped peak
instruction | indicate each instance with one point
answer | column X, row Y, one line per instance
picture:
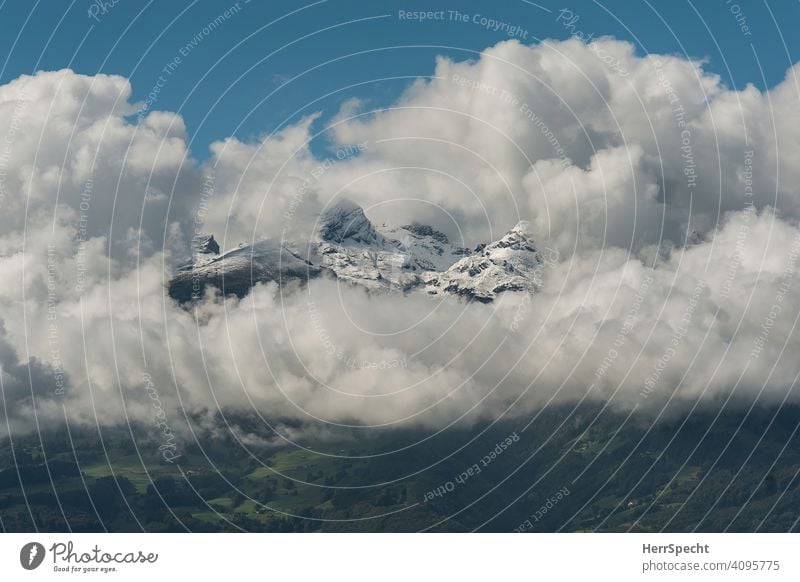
column 346, row 220
column 204, row 244
column 203, row 248
column 519, row 238
column 344, row 206
column 524, row 228
column 349, row 248
column 507, row 264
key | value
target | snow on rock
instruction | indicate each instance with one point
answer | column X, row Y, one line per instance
column 388, row 260
column 508, row 264
column 237, row 271
column 345, row 222
column 398, row 259
column 205, row 244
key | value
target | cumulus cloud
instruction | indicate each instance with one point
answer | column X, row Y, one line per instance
column 665, row 201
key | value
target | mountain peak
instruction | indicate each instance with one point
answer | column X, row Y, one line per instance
column 346, row 220
column 507, row 264
column 523, row 227
column 205, row 244
column 518, row 238
column 351, row 249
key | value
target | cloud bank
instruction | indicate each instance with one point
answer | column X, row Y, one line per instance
column 667, row 203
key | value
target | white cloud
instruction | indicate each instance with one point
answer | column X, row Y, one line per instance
column 600, row 162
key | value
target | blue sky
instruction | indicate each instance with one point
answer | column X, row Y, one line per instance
column 231, row 81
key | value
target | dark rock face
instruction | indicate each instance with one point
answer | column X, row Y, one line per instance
column 206, row 245
column 425, row 230
column 237, row 271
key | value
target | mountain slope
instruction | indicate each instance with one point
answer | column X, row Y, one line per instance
column 237, row 271
column 509, row 264
column 349, row 247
